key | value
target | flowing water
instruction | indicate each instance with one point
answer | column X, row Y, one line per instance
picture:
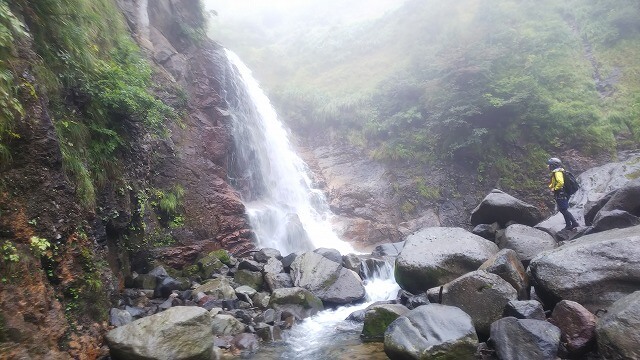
column 288, row 214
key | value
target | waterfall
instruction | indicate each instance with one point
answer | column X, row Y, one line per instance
column 285, row 211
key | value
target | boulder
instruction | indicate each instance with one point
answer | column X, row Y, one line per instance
column 627, row 198
column 246, row 342
column 326, row 279
column 480, row 294
column 224, row 324
column 412, row 301
column 119, row 317
column 389, row 249
column 377, row 318
column 250, row 265
column 298, row 301
column 577, row 326
column 352, row 262
column 594, row 270
column 508, row 266
column 487, row 231
column 331, row 254
column 166, row 285
column 591, row 208
column 525, row 339
column 614, row 219
column 182, row 332
column 502, row 208
column 264, row 254
column 526, row 241
column 525, row 309
column 618, row 330
column 249, row 278
column 209, row 264
column 219, row 289
column 434, row 256
column 431, row 332
column 273, row 266
column 277, row 281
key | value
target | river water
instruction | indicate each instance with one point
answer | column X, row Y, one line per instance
column 288, row 214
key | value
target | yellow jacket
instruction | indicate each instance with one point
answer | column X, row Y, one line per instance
column 557, row 179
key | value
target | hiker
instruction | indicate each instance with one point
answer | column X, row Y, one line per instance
column 562, row 198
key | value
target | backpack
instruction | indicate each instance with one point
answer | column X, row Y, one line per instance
column 570, row 183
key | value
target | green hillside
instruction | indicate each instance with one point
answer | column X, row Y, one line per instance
column 497, row 85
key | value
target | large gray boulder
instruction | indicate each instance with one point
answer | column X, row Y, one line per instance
column 526, row 241
column 300, row 302
column 614, row 219
column 219, row 288
column 181, row 332
column 508, row 266
column 431, row 332
column 618, row 331
column 503, row 208
column 326, row 279
column 480, row 294
column 594, row 270
column 434, row 256
column 525, row 339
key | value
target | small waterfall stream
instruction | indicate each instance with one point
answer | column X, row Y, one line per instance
column 288, row 214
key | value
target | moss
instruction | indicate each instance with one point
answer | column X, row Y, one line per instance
column 222, row 255
column 634, row 175
column 376, row 322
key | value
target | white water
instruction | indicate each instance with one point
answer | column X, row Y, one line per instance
column 287, row 213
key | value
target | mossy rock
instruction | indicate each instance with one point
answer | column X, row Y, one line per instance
column 249, row 278
column 378, row 318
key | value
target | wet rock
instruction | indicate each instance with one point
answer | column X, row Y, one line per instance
column 182, row 332
column 245, row 293
column 264, row 254
column 480, row 294
column 377, row 318
column 508, row 266
column 119, row 317
column 577, row 326
column 352, row 262
column 357, row 316
column 525, row 339
column 527, row 309
column 209, row 264
column 167, row 285
column 246, row 342
column 288, row 260
column 430, row 332
column 434, row 256
column 277, row 281
column 390, row 249
column 326, row 279
column 224, row 324
column 526, row 241
column 249, row 278
column 614, row 219
column 331, row 254
column 217, row 288
column 143, row 281
column 261, row 300
column 269, row 333
column 273, row 266
column 250, row 265
column 298, row 301
column 618, row 331
column 487, row 231
column 594, row 270
column 502, row 208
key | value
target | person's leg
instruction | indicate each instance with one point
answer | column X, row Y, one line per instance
column 563, row 207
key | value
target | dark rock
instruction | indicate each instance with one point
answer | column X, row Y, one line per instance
column 159, row 272
column 614, row 219
column 167, row 285
column 525, row 339
column 618, row 330
column 265, row 254
column 412, row 301
column 247, row 342
column 487, row 231
column 250, row 265
column 288, row 260
column 500, row 207
column 592, row 208
column 594, row 270
column 357, row 316
column 430, row 332
column 577, row 326
column 527, row 309
column 300, row 302
column 249, row 278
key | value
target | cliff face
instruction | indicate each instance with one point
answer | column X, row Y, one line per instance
column 63, row 263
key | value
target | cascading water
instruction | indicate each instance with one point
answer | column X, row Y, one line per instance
column 285, row 211
column 288, row 214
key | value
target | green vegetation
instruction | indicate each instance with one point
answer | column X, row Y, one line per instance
column 98, row 85
column 39, row 246
column 10, row 106
column 495, row 85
